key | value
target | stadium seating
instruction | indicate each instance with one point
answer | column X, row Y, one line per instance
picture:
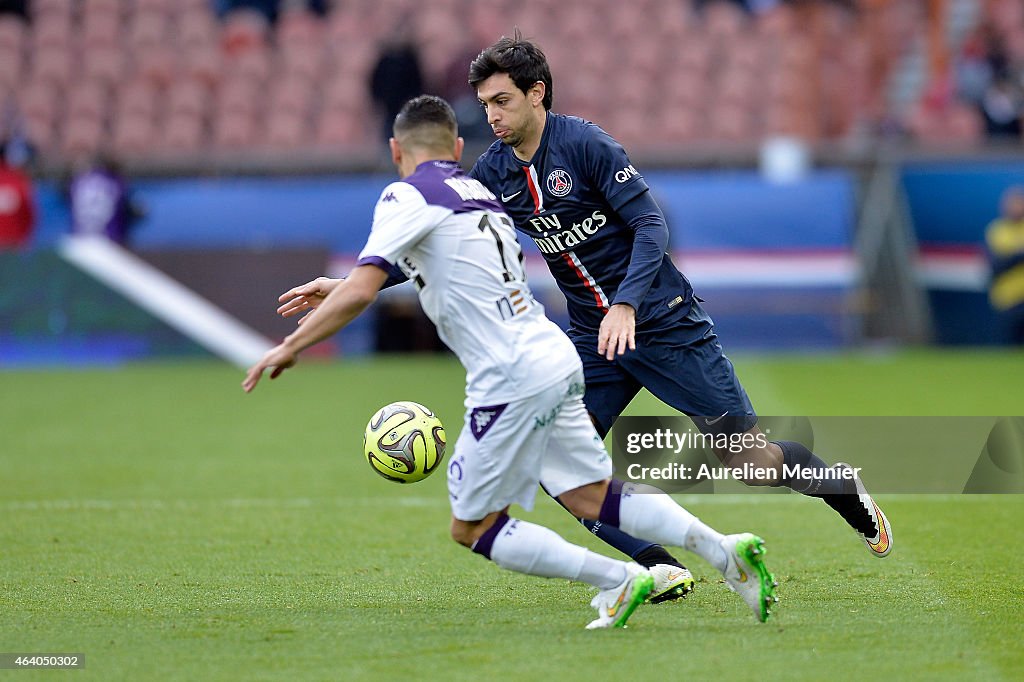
column 96, row 73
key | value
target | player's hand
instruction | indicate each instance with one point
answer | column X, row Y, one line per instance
column 618, row 331
column 304, row 299
column 279, row 357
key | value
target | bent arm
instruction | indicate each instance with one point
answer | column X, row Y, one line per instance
column 650, row 239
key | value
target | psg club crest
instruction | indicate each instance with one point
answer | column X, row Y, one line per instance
column 559, row 183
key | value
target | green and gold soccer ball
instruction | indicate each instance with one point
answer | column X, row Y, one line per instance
column 404, row 442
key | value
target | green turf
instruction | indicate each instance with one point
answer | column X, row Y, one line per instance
column 170, row 527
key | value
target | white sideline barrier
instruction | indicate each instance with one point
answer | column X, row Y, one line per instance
column 166, row 298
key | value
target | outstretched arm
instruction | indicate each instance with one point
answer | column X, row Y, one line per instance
column 339, row 307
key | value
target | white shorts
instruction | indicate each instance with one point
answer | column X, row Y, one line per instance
column 504, row 451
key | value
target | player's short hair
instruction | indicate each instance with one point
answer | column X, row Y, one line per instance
column 522, row 60
column 426, row 121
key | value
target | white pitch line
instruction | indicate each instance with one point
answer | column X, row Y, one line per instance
column 234, row 503
column 737, row 499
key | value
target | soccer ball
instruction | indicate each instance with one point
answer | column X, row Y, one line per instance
column 404, row 442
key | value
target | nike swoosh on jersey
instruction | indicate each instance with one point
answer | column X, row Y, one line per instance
column 712, row 422
column 511, row 196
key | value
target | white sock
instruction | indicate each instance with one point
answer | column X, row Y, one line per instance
column 657, row 517
column 528, row 548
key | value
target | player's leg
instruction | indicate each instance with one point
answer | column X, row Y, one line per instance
column 687, row 369
column 576, row 456
column 740, row 557
column 608, row 391
column 672, row 580
column 495, row 467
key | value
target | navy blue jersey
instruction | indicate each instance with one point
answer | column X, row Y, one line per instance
column 567, row 200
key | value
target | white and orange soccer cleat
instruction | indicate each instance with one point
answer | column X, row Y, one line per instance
column 615, row 606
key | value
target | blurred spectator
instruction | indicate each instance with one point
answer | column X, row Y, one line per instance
column 397, row 76
column 267, row 8
column 1003, row 106
column 101, row 201
column 17, row 213
column 1005, row 241
column 473, row 126
column 19, row 7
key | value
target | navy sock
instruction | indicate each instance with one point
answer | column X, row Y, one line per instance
column 607, row 530
column 627, row 544
column 796, row 457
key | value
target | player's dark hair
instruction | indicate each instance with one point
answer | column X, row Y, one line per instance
column 428, row 121
column 523, row 61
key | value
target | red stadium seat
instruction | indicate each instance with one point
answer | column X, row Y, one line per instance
column 723, row 21
column 100, row 29
column 52, row 65
column 188, row 98
column 13, row 33
column 287, row 130
column 157, row 64
column 237, row 97
column 52, row 31
column 82, row 137
column 133, row 135
column 183, row 133
column 41, row 8
column 729, row 123
column 252, row 64
column 234, row 132
column 339, row 128
column 147, row 29
column 102, row 6
column 298, row 26
column 12, row 64
column 291, row 96
column 198, row 30
column 86, row 100
column 104, row 64
column 39, row 101
column 244, row 30
column 137, row 98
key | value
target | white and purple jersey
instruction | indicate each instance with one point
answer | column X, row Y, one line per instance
column 567, row 200
column 451, row 237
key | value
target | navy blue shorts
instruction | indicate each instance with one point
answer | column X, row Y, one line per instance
column 684, row 367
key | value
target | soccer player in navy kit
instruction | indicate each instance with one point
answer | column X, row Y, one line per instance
column 571, row 188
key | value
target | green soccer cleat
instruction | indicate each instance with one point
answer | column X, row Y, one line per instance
column 670, row 582
column 746, row 574
column 615, row 606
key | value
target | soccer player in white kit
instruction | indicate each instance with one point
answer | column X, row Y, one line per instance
column 525, row 421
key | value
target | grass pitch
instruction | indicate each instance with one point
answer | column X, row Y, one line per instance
column 169, row 527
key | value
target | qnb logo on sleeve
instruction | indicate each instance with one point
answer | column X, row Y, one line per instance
column 626, row 173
